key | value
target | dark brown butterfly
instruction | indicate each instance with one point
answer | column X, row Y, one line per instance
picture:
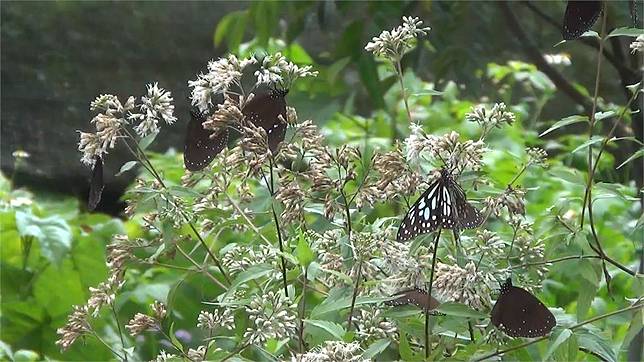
column 201, row 145
column 579, row 18
column 414, row 296
column 520, row 314
column 444, row 205
column 263, row 110
column 96, row 184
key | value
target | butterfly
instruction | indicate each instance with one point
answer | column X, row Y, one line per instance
column 263, row 110
column 579, row 18
column 520, row 314
column 415, row 296
column 444, row 205
column 96, row 184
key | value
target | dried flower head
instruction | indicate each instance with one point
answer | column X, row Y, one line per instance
column 272, row 316
column 637, row 45
column 197, row 355
column 536, row 156
column 219, row 318
column 221, row 75
column 333, row 351
column 463, row 285
column 276, row 69
column 488, row 243
column 513, row 199
column 396, row 177
column 557, row 59
column 227, row 114
column 292, row 197
column 104, row 293
column 77, row 326
column 159, row 310
column 90, row 146
column 141, row 323
column 393, row 44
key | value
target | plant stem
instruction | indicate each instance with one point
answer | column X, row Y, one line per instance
column 429, row 294
column 564, row 258
column 234, row 352
column 108, row 346
column 271, row 188
column 118, row 326
column 637, row 305
column 200, row 268
column 356, row 287
column 303, row 311
column 403, row 93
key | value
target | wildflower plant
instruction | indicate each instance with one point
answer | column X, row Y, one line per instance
column 295, row 249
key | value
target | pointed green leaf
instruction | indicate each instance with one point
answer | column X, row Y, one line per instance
column 624, row 31
column 376, row 348
column 565, row 122
column 334, row 329
column 562, row 336
column 126, row 167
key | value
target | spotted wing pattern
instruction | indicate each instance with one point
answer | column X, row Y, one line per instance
column 579, row 18
column 444, row 205
column 264, row 110
column 520, row 314
column 96, row 184
column 415, row 296
column 202, row 145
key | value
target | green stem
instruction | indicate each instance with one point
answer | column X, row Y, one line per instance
column 428, row 346
column 356, row 287
column 118, row 325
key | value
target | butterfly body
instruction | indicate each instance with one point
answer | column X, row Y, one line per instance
column 520, row 314
column 443, row 205
column 579, row 18
column 96, row 184
column 414, row 296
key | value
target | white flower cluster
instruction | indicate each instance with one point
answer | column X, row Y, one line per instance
column 241, row 257
column 457, row 156
column 393, row 44
column 371, row 325
column 557, row 59
column 463, row 285
column 495, row 118
column 222, row 74
column 276, row 69
column 156, row 105
column 111, row 118
column 333, row 351
column 404, row 269
column 217, row 319
column 637, row 45
column 272, row 316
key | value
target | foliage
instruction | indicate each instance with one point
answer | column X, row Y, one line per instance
column 271, row 256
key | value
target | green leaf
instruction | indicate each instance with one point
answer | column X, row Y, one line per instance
column 596, row 344
column 146, row 141
column 254, row 272
column 428, row 92
column 334, row 329
column 587, row 293
column 639, row 153
column 174, row 339
column 562, row 336
column 58, row 288
column 376, row 348
column 304, row 252
column 600, row 116
column 126, row 167
column 460, row 310
column 565, row 122
column 633, row 329
column 590, row 142
column 624, row 31
column 24, row 355
column 53, row 234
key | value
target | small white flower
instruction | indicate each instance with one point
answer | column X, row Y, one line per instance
column 638, row 44
column 216, row 319
column 272, row 316
column 463, row 285
column 393, row 44
column 90, row 146
column 156, row 105
column 276, row 69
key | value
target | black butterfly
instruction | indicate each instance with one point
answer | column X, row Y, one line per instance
column 520, row 314
column 263, row 110
column 96, row 184
column 444, row 205
column 415, row 296
column 579, row 18
column 201, row 145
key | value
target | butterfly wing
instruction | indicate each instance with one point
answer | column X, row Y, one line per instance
column 426, row 214
column 96, row 184
column 520, row 314
column 415, row 296
column 264, row 110
column 201, row 146
column 467, row 216
column 579, row 18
